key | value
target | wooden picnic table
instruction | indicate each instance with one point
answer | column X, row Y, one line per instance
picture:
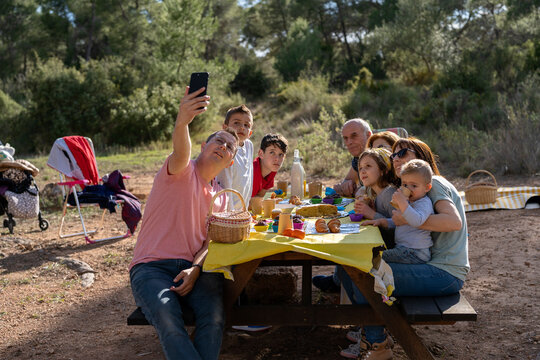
column 354, row 251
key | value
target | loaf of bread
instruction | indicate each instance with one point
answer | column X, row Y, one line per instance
column 317, row 210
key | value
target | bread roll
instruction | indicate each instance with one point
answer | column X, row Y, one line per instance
column 321, row 227
column 334, row 225
column 295, row 200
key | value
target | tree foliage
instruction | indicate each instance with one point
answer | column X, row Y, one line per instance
column 115, row 69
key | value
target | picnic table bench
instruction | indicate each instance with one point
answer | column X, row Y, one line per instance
column 418, row 310
column 440, row 310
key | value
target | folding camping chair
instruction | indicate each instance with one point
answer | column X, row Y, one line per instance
column 77, row 167
column 401, row 132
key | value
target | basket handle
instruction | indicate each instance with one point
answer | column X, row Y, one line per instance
column 480, row 171
column 221, row 192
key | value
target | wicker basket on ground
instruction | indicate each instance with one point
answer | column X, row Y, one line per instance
column 230, row 226
column 481, row 192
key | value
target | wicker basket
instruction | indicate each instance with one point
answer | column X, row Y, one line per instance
column 481, row 192
column 228, row 227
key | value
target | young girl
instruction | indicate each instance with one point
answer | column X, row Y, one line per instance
column 375, row 172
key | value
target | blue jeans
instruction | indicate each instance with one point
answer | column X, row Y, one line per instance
column 150, row 283
column 405, row 255
column 409, row 280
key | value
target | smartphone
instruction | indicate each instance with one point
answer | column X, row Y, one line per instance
column 197, row 81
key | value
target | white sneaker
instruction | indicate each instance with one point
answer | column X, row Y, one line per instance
column 251, row 328
column 358, row 336
column 353, row 351
column 355, row 336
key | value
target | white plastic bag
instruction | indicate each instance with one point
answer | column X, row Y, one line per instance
column 384, row 281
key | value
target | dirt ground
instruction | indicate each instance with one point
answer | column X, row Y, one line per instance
column 45, row 313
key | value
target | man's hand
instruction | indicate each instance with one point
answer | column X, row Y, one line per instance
column 191, row 105
column 189, row 276
column 346, row 188
column 360, row 207
column 376, row 222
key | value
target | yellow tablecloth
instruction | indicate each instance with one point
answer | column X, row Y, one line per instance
column 347, row 249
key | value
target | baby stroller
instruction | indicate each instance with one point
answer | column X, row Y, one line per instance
column 19, row 194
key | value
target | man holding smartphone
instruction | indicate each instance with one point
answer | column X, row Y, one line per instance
column 166, row 270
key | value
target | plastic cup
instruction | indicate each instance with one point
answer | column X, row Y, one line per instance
column 285, row 222
column 268, row 205
column 256, row 205
column 315, row 188
column 282, row 185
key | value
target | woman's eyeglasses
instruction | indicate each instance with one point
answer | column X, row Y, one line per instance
column 401, row 153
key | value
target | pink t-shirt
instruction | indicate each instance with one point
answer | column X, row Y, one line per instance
column 174, row 220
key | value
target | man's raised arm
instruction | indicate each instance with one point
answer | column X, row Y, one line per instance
column 190, row 106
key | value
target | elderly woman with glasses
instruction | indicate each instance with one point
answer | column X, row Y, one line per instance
column 445, row 273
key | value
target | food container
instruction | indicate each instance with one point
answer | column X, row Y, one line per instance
column 338, row 200
column 260, row 228
column 298, row 226
column 356, row 217
column 316, row 201
column 328, row 201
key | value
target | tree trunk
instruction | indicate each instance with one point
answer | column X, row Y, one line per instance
column 344, row 31
column 91, row 32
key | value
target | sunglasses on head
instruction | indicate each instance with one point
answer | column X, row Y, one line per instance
column 401, row 153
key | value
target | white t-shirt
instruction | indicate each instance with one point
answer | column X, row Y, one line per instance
column 239, row 176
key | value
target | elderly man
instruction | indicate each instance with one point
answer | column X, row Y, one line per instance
column 166, row 270
column 355, row 133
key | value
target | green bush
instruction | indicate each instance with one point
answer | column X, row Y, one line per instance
column 322, row 154
column 517, row 144
column 146, row 115
column 9, row 110
column 65, row 101
column 376, row 100
column 250, row 81
column 518, row 150
column 460, row 149
column 302, row 100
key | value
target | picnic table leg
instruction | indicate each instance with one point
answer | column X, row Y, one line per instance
column 306, row 282
column 242, row 273
column 392, row 317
